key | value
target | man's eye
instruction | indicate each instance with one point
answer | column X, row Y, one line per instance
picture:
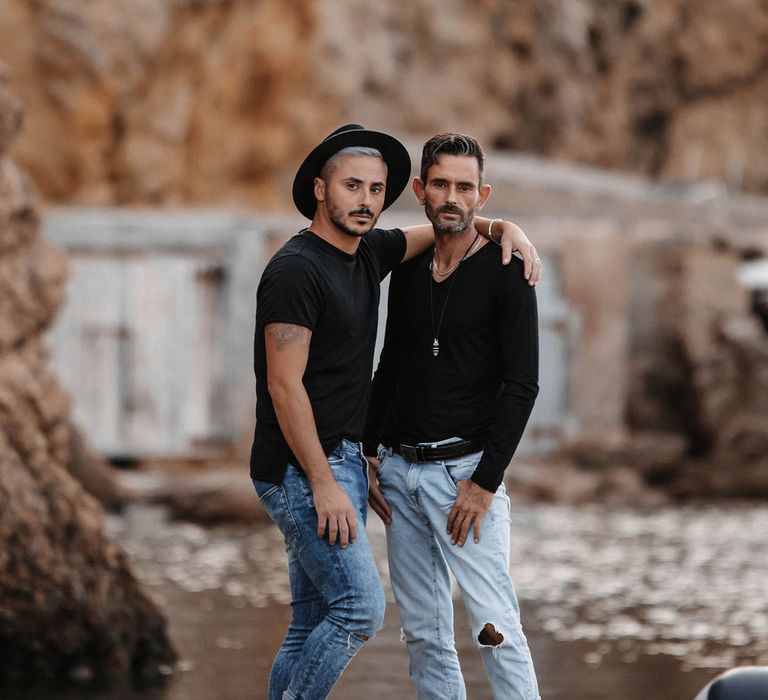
column 377, row 190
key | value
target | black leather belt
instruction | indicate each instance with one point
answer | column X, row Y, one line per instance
column 432, row 453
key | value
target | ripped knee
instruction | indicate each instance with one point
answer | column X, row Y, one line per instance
column 361, row 637
column 489, row 636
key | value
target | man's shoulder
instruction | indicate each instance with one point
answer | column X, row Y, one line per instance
column 496, row 277
column 513, row 270
column 384, row 232
column 296, row 253
column 378, row 238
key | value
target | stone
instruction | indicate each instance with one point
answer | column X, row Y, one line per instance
column 10, row 123
column 70, row 606
column 215, row 494
column 700, row 375
column 211, row 102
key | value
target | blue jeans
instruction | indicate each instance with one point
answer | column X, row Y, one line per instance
column 336, row 595
column 421, row 555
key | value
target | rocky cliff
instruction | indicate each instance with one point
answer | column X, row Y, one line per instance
column 68, row 600
column 698, row 374
column 214, row 101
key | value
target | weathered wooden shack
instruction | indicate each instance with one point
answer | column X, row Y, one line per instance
column 154, row 342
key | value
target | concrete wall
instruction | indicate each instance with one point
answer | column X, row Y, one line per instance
column 605, row 314
column 158, row 367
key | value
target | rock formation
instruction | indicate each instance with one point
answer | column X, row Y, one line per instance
column 700, row 376
column 68, row 600
column 214, row 101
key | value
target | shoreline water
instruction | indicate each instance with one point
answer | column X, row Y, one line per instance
column 617, row 602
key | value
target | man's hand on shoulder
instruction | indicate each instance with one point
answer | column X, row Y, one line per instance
column 470, row 507
column 514, row 240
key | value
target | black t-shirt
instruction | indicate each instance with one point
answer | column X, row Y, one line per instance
column 482, row 384
column 311, row 283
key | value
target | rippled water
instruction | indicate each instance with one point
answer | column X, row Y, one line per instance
column 617, row 603
column 687, row 582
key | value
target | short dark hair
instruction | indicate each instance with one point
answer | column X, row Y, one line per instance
column 451, row 145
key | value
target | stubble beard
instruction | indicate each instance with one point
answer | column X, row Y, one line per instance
column 447, row 229
column 336, row 215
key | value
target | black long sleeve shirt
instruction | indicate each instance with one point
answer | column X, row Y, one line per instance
column 483, row 383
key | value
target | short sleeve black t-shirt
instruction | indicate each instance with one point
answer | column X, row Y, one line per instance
column 311, row 283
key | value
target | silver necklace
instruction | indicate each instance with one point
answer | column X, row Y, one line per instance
column 433, row 268
column 433, row 263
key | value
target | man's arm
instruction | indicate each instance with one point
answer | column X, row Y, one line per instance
column 382, row 389
column 518, row 346
column 420, row 238
column 287, row 348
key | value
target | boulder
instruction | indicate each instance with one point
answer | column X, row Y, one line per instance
column 69, row 603
column 130, row 102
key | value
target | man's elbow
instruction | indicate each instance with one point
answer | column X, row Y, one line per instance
column 526, row 389
column 280, row 388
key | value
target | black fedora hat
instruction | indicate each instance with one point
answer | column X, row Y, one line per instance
column 394, row 153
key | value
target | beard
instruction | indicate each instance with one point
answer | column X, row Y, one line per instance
column 339, row 219
column 447, row 228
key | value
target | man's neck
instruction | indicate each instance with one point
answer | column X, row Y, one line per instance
column 452, row 247
column 330, row 233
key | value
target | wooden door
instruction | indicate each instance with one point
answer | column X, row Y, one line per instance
column 135, row 345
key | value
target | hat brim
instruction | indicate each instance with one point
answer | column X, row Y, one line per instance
column 394, row 153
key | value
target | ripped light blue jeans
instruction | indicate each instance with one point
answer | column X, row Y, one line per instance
column 421, row 555
column 337, row 599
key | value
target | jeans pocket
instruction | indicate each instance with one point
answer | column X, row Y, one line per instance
column 383, row 464
column 264, row 489
column 462, row 468
column 337, row 456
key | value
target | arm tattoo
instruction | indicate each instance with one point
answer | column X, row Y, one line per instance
column 286, row 334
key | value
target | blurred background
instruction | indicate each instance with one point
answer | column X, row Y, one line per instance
column 147, row 148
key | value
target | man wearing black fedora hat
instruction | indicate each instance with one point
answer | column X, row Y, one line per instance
column 316, row 320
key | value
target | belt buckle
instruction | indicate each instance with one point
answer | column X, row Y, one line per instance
column 413, row 453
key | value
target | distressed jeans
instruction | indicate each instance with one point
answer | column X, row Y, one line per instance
column 421, row 555
column 336, row 595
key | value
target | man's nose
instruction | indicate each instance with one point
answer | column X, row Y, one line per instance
column 366, row 197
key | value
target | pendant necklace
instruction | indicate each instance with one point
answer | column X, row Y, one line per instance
column 433, row 268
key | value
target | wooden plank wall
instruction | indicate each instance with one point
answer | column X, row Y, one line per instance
column 135, row 344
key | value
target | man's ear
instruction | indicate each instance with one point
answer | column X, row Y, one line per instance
column 419, row 190
column 485, row 192
column 319, row 189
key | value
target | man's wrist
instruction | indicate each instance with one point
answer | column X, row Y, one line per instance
column 490, row 232
column 320, row 477
column 483, row 483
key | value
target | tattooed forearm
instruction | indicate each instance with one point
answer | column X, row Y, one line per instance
column 285, row 334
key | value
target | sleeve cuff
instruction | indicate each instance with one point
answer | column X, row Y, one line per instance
column 490, row 482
